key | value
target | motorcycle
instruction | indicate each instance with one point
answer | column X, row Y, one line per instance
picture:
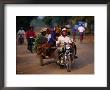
column 31, row 43
column 21, row 39
column 66, row 57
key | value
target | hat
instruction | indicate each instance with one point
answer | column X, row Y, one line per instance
column 64, row 29
column 43, row 30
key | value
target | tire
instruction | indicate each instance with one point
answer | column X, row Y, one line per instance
column 60, row 64
column 72, row 57
column 31, row 45
column 21, row 40
column 30, row 48
column 68, row 64
column 68, row 68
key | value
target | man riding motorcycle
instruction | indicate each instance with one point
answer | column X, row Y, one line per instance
column 30, row 36
column 20, row 35
column 64, row 38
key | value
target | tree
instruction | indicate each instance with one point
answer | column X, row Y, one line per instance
column 59, row 20
column 23, row 21
column 48, row 20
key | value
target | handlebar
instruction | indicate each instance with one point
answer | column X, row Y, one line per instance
column 31, row 37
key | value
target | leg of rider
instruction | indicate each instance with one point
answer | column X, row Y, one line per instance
column 57, row 54
column 28, row 43
column 75, row 49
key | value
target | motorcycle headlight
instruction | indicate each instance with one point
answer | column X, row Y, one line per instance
column 68, row 47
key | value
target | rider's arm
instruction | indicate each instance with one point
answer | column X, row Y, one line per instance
column 58, row 42
column 84, row 30
column 26, row 34
column 49, row 36
column 34, row 34
column 78, row 29
column 69, row 40
column 18, row 32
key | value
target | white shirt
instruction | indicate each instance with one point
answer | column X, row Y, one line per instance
column 48, row 37
column 81, row 29
column 62, row 39
column 21, row 32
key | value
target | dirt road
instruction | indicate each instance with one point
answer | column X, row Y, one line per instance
column 29, row 63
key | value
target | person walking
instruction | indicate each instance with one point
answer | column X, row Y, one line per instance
column 81, row 31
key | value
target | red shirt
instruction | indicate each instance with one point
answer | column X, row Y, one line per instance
column 30, row 34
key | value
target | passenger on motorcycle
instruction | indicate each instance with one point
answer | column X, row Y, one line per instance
column 64, row 38
column 42, row 38
column 30, row 34
column 52, row 37
column 45, row 41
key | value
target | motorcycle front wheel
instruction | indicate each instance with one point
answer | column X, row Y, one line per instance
column 68, row 64
column 21, row 41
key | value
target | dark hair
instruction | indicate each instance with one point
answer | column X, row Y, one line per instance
column 43, row 33
column 29, row 28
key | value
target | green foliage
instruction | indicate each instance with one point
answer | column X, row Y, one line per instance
column 37, row 23
column 37, row 42
column 25, row 21
column 48, row 20
column 59, row 20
